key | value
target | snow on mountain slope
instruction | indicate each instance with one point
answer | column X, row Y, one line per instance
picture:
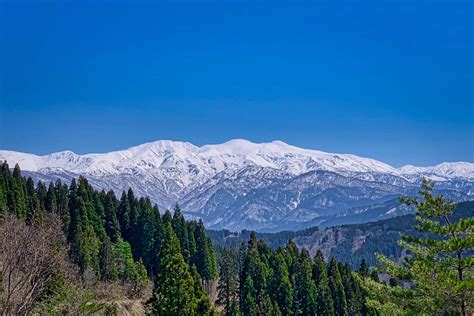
column 244, row 184
column 186, row 159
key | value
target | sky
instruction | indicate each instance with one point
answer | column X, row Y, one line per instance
column 390, row 80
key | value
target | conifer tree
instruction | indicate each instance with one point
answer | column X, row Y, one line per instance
column 18, row 201
column 33, row 212
column 174, row 285
column 325, row 303
column 281, row 290
column 305, row 291
column 228, row 290
column 337, row 289
column 112, row 226
column 248, row 301
column 124, row 216
column 205, row 259
column 203, row 304
column 107, row 261
column 179, row 227
column 440, row 264
column 51, row 203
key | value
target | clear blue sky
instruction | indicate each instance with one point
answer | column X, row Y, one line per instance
column 391, row 80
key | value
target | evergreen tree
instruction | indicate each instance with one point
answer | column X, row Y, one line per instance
column 325, row 303
column 124, row 216
column 112, row 226
column 203, row 304
column 126, row 267
column 281, row 290
column 305, row 291
column 337, row 289
column 228, row 284
column 205, row 259
column 440, row 265
column 174, row 285
column 248, row 302
column 51, row 203
column 179, row 227
column 33, row 212
column 18, row 196
column 107, row 261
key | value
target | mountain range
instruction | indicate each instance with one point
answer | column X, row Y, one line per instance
column 243, row 185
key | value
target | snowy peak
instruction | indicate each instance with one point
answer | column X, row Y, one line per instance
column 244, row 185
column 190, row 161
column 446, row 170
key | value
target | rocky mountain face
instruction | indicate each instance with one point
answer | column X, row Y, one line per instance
column 243, row 185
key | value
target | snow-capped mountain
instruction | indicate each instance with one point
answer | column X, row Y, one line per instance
column 240, row 184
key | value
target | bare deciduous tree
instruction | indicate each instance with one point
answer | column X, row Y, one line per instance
column 31, row 256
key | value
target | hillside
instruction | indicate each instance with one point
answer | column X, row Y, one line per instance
column 347, row 243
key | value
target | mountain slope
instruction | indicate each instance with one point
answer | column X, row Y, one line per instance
column 240, row 184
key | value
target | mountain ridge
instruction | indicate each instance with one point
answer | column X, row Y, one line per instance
column 240, row 184
column 240, row 147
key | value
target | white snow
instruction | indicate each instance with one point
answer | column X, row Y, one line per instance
column 192, row 164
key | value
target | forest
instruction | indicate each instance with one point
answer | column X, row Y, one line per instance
column 65, row 248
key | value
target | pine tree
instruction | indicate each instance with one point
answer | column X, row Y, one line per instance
column 440, row 264
column 174, row 285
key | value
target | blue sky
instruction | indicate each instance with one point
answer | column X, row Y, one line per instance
column 391, row 80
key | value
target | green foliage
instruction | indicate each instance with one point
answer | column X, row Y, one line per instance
column 337, row 288
column 438, row 272
column 325, row 304
column 68, row 299
column 286, row 281
column 228, row 284
column 116, row 240
column 174, row 285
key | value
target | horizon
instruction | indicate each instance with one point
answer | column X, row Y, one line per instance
column 100, row 77
column 233, row 140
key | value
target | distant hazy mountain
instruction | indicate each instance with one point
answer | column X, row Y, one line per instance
column 239, row 184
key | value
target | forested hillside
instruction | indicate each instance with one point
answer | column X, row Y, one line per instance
column 347, row 243
column 71, row 240
column 107, row 239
